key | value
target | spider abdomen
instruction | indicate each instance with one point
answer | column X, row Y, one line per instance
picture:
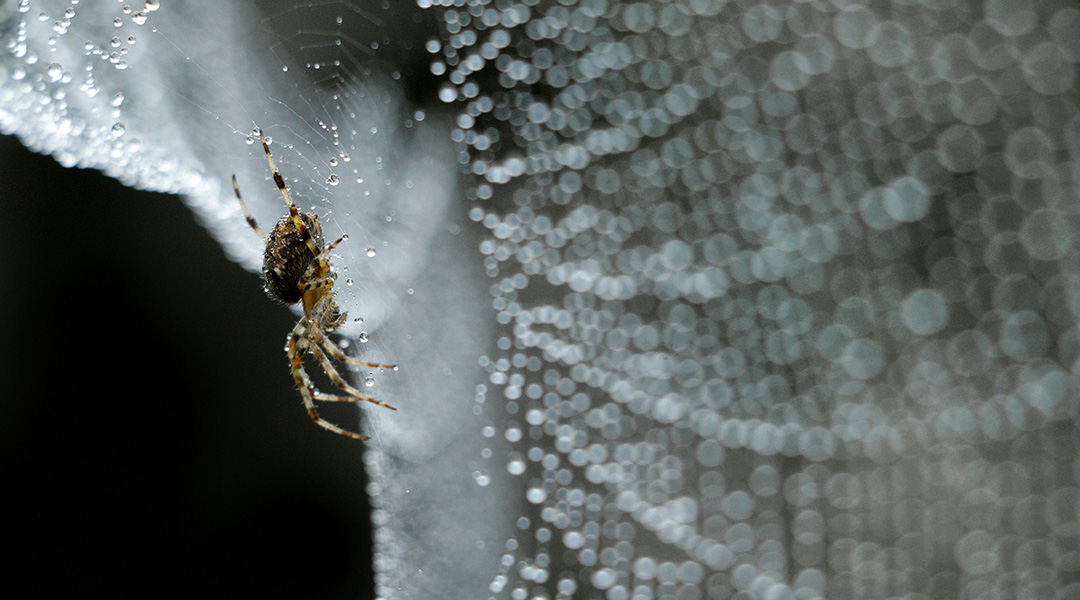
column 288, row 257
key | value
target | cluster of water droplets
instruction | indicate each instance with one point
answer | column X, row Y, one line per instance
column 787, row 293
column 68, row 96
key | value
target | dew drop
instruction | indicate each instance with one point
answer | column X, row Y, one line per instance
column 370, row 252
column 369, row 380
column 118, row 129
column 363, row 337
column 332, row 179
column 138, row 18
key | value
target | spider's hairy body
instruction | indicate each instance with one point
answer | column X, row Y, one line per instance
column 296, row 268
column 288, row 256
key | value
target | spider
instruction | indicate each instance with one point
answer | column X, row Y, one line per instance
column 296, row 269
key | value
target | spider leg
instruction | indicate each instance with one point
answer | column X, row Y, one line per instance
column 335, row 376
column 319, row 338
column 293, row 211
column 247, row 213
column 311, row 284
column 297, row 345
column 335, row 324
column 319, row 264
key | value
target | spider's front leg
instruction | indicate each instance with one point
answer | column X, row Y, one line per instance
column 298, row 344
column 326, row 317
column 335, row 376
column 320, row 338
column 318, row 273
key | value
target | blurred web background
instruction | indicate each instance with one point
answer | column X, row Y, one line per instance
column 780, row 299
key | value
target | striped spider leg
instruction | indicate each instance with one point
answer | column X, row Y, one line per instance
column 296, row 268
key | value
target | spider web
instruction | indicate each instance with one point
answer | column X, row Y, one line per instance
column 733, row 299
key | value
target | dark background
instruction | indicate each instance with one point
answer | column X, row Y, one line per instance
column 152, row 443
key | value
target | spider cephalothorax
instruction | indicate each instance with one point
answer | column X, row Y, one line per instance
column 296, row 269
